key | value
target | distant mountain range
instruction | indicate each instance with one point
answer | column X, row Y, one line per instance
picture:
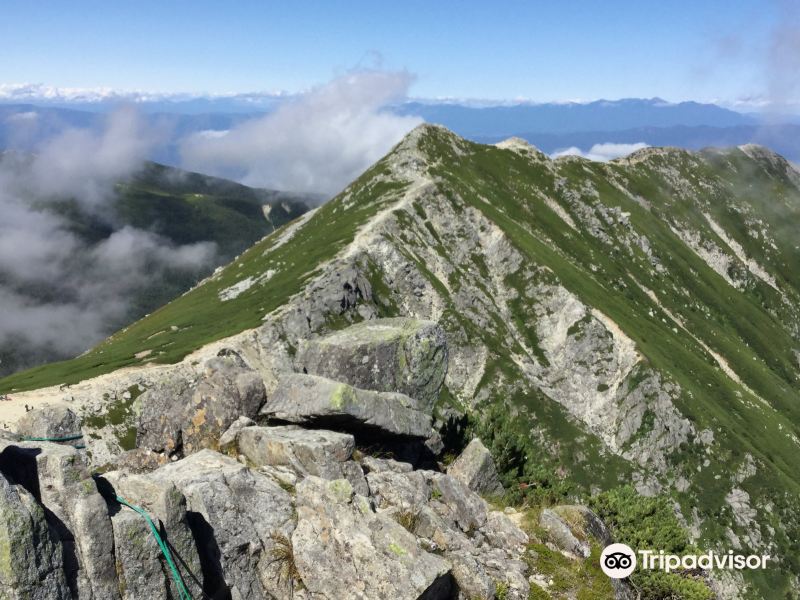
column 560, row 118
column 549, row 126
column 783, row 139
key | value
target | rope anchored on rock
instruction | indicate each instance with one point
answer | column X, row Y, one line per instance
column 183, row 592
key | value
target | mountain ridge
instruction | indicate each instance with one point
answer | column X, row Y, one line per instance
column 662, row 283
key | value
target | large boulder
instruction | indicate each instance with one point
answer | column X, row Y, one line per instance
column 58, row 477
column 30, row 559
column 344, row 550
column 316, row 452
column 386, row 355
column 138, row 559
column 138, row 556
column 475, row 468
column 180, row 416
column 55, row 422
column 572, row 527
column 322, row 402
column 240, row 519
column 482, row 546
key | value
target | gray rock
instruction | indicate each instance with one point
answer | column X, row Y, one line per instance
column 483, row 547
column 353, row 472
column 164, row 409
column 570, row 527
column 561, row 534
column 309, row 399
column 470, row 576
column 229, row 437
column 386, row 355
column 407, row 491
column 475, row 468
column 343, row 550
column 502, row 532
column 434, row 443
column 372, row 464
column 306, row 451
column 77, row 515
column 138, row 559
column 167, row 506
column 49, row 422
column 228, row 391
column 30, row 560
column 458, row 503
column 177, row 415
column 239, row 518
column 139, row 460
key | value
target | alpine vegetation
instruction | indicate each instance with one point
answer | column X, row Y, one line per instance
column 463, row 376
column 94, row 237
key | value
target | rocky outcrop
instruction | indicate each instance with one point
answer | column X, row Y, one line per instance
column 137, row 552
column 344, row 549
column 31, row 565
column 76, row 514
column 48, row 422
column 475, row 468
column 305, row 452
column 183, row 416
column 570, row 528
column 387, row 355
column 484, row 547
column 313, row 400
column 293, row 517
column 249, row 507
column 239, row 518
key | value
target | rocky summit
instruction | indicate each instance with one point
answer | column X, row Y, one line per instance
column 460, row 378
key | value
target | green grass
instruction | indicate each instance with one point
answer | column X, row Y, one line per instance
column 747, row 326
column 603, row 263
column 184, row 208
column 200, row 317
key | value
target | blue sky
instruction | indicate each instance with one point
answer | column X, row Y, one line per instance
column 701, row 49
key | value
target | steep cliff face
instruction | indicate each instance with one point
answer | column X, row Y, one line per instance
column 640, row 319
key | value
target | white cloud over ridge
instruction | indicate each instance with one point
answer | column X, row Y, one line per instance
column 59, row 293
column 601, row 152
column 317, row 142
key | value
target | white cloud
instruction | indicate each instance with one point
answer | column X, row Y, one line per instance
column 37, row 92
column 23, row 116
column 84, row 163
column 601, row 152
column 60, row 293
column 212, row 134
column 317, row 142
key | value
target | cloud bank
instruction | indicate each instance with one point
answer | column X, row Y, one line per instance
column 317, row 142
column 60, row 291
column 601, row 152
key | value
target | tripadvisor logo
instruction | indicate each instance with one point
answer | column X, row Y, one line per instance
column 619, row 561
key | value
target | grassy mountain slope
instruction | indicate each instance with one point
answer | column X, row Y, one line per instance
column 181, row 208
column 634, row 322
column 187, row 207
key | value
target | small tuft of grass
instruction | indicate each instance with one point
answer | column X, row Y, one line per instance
column 282, row 554
column 500, row 590
column 408, row 519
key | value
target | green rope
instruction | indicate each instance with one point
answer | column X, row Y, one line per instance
column 68, row 438
column 176, row 575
